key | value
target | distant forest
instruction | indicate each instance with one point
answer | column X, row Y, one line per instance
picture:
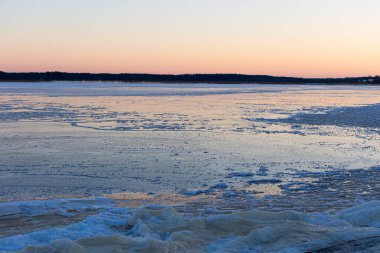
column 185, row 78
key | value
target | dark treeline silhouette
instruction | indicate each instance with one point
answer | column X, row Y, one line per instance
column 185, row 78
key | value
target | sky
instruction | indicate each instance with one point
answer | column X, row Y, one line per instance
column 305, row 38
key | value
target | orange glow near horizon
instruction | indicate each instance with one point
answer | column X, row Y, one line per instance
column 292, row 38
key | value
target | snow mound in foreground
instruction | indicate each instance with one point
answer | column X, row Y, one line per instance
column 162, row 229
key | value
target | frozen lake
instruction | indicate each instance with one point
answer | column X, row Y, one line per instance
column 204, row 149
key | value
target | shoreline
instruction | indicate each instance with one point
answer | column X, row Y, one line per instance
column 211, row 83
column 183, row 78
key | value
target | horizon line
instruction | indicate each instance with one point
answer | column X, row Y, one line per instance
column 187, row 74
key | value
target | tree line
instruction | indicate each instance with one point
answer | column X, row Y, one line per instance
column 184, row 78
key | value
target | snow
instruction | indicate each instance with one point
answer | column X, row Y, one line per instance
column 162, row 229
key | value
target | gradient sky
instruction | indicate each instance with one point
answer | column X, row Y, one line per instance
column 277, row 37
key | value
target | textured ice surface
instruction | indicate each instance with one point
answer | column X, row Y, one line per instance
column 64, row 139
column 361, row 116
column 248, row 167
column 163, row 229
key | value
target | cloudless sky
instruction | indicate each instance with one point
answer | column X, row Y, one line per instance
column 277, row 37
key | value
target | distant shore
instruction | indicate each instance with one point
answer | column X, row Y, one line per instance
column 183, row 78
